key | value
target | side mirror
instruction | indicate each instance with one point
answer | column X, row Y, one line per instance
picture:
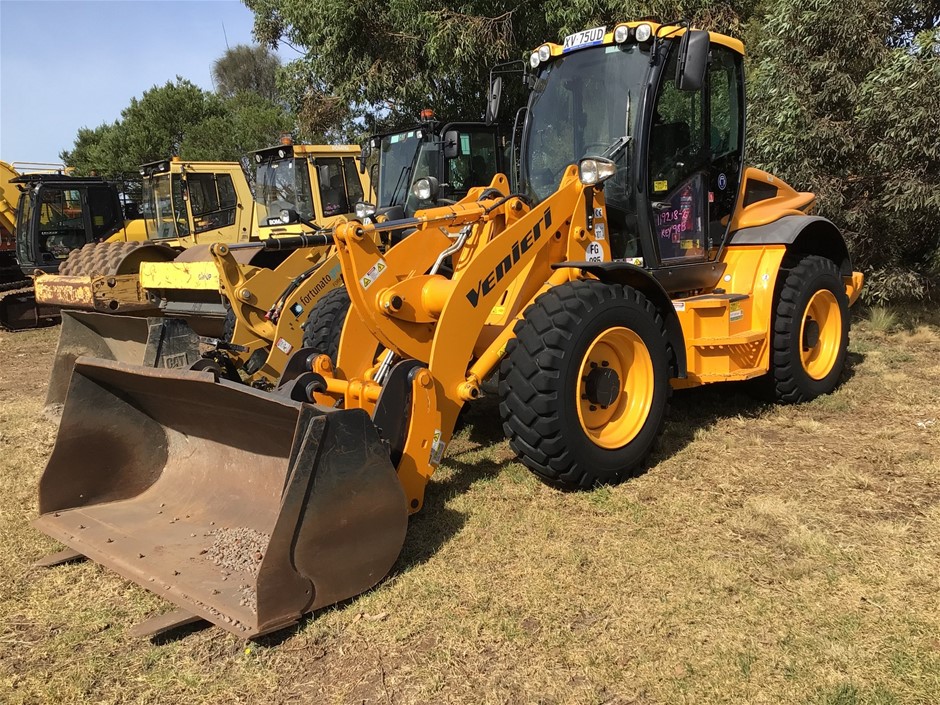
column 451, row 144
column 693, row 59
column 364, row 153
column 492, row 101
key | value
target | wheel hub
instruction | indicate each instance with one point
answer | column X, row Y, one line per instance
column 810, row 334
column 602, row 386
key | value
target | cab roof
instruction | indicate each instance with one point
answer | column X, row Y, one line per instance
column 658, row 30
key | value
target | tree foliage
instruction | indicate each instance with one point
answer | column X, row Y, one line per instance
column 386, row 60
column 181, row 119
column 246, row 69
column 852, row 112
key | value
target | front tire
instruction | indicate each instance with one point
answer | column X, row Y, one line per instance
column 584, row 384
column 325, row 321
column 811, row 331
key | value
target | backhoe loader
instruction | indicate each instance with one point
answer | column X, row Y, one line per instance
column 637, row 254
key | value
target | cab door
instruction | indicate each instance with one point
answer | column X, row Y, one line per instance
column 678, row 171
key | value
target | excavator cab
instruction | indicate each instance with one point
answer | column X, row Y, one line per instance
column 58, row 214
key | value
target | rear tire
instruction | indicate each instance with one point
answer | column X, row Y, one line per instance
column 811, row 331
column 584, row 384
column 325, row 321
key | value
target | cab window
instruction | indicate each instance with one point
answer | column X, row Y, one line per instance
column 678, row 160
column 333, row 196
column 476, row 164
column 726, row 99
column 213, row 201
column 353, row 184
column 61, row 222
column 105, row 217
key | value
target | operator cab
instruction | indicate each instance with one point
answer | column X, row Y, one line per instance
column 57, row 214
column 292, row 178
column 178, row 204
column 457, row 156
column 677, row 148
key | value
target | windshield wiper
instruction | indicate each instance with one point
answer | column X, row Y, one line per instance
column 406, row 169
column 616, row 147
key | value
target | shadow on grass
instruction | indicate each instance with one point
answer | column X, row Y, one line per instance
column 480, row 427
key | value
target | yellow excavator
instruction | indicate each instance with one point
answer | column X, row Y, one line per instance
column 637, row 254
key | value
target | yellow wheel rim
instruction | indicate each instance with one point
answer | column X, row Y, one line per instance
column 615, row 388
column 820, row 334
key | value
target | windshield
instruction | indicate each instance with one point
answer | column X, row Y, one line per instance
column 581, row 104
column 164, row 208
column 282, row 183
column 397, row 157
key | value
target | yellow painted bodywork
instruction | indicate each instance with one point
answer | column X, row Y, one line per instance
column 268, row 317
column 201, row 276
column 116, row 294
column 458, row 327
column 788, row 201
column 727, row 336
column 658, row 30
column 9, row 197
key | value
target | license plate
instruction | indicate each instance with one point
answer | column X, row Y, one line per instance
column 585, row 38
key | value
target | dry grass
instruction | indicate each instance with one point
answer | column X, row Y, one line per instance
column 768, row 555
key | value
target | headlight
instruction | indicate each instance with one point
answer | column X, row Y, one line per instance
column 425, row 189
column 257, row 158
column 364, row 210
column 643, row 32
column 595, row 170
column 534, row 60
column 545, row 53
column 281, row 153
column 621, row 34
column 286, row 215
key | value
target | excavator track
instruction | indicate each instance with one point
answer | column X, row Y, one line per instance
column 19, row 309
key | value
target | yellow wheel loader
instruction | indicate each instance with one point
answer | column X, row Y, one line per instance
column 302, row 302
column 188, row 207
column 636, row 254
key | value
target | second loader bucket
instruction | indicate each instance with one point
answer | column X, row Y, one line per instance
column 243, row 507
column 147, row 341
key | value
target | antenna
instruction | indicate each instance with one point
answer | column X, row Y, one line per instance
column 225, row 35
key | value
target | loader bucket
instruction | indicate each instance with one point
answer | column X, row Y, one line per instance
column 151, row 342
column 243, row 507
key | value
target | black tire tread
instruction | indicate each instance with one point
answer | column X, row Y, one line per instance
column 325, row 323
column 786, row 367
column 528, row 384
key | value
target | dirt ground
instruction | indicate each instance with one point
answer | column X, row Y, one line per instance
column 768, row 555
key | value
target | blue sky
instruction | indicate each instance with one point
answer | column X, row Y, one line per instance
column 66, row 64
